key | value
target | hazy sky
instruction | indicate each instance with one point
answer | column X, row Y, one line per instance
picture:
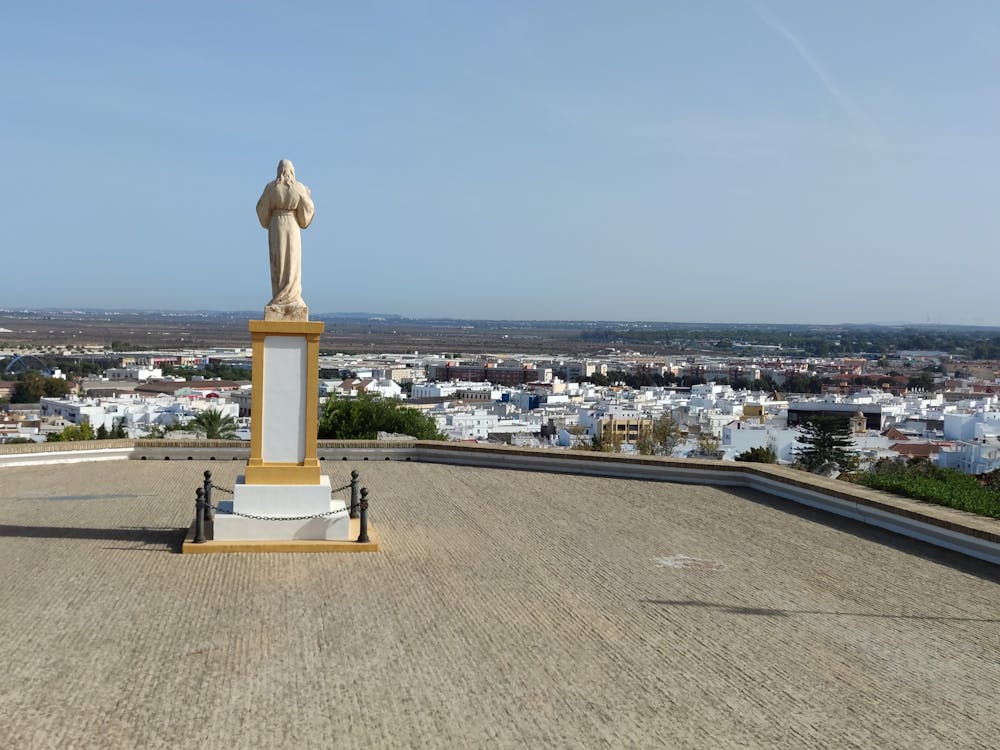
column 719, row 160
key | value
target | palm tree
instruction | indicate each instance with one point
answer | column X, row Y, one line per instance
column 213, row 425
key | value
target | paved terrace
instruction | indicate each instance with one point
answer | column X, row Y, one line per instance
column 508, row 609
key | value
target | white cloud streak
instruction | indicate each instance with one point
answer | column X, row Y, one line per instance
column 845, row 102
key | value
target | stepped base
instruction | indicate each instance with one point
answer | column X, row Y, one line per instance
column 274, row 501
column 334, row 526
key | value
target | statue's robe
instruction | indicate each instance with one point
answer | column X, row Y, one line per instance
column 283, row 210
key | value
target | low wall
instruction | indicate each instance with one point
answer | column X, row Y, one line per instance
column 236, row 450
column 966, row 533
column 35, row 454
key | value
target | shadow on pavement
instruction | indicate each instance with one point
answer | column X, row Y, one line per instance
column 767, row 612
column 168, row 538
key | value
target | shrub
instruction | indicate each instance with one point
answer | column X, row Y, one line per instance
column 363, row 417
column 759, row 455
column 922, row 480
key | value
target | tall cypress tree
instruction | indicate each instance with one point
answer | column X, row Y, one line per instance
column 826, row 441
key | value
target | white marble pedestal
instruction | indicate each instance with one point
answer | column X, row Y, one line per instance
column 276, row 500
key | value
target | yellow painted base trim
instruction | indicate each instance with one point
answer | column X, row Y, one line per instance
column 259, row 472
column 287, row 327
column 280, row 545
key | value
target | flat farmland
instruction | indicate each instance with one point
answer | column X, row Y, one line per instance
column 154, row 331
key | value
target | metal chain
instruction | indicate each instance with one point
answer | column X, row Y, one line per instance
column 279, row 518
column 229, row 490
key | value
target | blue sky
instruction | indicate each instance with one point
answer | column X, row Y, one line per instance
column 724, row 160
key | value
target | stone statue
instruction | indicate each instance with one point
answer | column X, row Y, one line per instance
column 284, row 208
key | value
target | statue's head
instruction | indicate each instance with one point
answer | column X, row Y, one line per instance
column 286, row 172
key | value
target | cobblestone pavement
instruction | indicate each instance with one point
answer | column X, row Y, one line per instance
column 507, row 609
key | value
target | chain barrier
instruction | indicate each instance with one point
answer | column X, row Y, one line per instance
column 205, row 511
column 217, row 509
column 229, row 491
column 211, row 510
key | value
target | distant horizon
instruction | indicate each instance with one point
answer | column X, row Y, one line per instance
column 416, row 318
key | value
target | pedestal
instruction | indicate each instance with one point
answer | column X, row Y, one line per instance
column 282, row 476
column 293, row 500
column 285, row 403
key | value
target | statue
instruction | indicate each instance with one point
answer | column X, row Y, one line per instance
column 284, row 208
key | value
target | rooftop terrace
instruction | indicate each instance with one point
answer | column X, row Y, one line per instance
column 507, row 608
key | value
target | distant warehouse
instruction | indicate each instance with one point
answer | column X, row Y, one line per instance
column 803, row 411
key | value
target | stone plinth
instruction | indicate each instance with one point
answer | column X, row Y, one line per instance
column 285, row 403
column 282, row 477
column 272, row 500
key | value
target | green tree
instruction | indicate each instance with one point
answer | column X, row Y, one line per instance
column 759, row 454
column 608, row 441
column 923, row 380
column 102, row 433
column 208, row 371
column 213, row 425
column 708, row 445
column 645, row 445
column 764, row 383
column 826, row 441
column 71, row 433
column 799, row 382
column 991, row 479
column 689, row 380
column 56, row 387
column 661, row 438
column 31, row 386
column 29, row 389
column 363, row 417
column 596, row 378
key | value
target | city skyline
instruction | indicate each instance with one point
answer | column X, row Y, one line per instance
column 735, row 161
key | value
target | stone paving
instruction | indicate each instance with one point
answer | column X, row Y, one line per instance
column 508, row 609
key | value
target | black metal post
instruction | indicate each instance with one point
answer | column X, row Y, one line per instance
column 363, row 533
column 354, row 493
column 209, row 513
column 199, row 516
